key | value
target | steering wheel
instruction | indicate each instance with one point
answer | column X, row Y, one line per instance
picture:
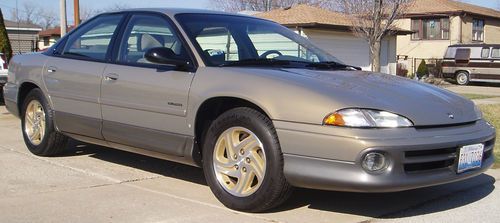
column 269, row 52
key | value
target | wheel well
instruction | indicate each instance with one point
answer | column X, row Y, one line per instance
column 209, row 111
column 459, row 71
column 23, row 92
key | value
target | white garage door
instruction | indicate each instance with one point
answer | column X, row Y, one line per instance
column 349, row 49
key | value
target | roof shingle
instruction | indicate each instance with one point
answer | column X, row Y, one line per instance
column 305, row 15
column 449, row 6
column 22, row 25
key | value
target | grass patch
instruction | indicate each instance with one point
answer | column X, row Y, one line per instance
column 478, row 96
column 492, row 114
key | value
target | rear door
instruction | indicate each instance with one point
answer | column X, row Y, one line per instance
column 73, row 76
column 144, row 105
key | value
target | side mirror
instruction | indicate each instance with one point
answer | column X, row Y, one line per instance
column 162, row 55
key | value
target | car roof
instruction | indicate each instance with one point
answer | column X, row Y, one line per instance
column 175, row 11
column 475, row 45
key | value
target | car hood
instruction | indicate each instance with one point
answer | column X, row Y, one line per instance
column 423, row 104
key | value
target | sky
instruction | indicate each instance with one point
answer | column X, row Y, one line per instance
column 8, row 5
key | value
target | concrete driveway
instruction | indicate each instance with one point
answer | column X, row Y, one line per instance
column 96, row 184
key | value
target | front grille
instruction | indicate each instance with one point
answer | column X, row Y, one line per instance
column 434, row 159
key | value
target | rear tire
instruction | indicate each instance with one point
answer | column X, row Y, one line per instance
column 258, row 161
column 37, row 122
column 462, row 78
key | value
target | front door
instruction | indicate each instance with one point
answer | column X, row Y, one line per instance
column 73, row 77
column 144, row 105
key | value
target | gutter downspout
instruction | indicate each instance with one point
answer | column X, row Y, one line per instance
column 300, row 30
column 461, row 28
column 462, row 15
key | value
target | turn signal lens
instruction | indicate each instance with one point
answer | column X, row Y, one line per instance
column 334, row 119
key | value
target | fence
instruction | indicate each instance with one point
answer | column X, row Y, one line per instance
column 408, row 67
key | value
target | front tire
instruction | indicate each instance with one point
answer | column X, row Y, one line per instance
column 462, row 78
column 39, row 133
column 243, row 162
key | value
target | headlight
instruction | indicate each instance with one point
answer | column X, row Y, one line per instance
column 479, row 113
column 366, row 118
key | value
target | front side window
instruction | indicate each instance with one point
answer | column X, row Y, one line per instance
column 223, row 39
column 92, row 40
column 145, row 32
column 478, row 30
column 485, row 53
column 431, row 29
column 218, row 44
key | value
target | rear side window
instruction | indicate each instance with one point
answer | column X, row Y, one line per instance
column 462, row 55
column 485, row 53
column 495, row 53
column 92, row 40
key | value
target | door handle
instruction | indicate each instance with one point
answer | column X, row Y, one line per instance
column 52, row 69
column 111, row 77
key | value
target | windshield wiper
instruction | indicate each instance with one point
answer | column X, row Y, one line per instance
column 332, row 65
column 256, row 62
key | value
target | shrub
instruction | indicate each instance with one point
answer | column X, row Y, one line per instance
column 422, row 69
column 5, row 47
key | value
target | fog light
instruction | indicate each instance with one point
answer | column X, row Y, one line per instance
column 374, row 162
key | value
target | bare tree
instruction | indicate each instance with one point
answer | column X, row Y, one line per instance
column 47, row 18
column 29, row 12
column 262, row 5
column 33, row 13
column 373, row 20
column 87, row 12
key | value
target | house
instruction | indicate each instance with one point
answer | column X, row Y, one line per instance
column 23, row 36
column 48, row 37
column 436, row 24
column 331, row 31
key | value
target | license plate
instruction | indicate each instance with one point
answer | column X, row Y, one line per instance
column 470, row 157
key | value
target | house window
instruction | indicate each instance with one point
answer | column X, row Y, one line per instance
column 478, row 30
column 46, row 41
column 430, row 29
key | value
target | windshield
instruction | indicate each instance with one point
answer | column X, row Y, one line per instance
column 236, row 40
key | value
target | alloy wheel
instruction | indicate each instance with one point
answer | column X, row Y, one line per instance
column 34, row 122
column 239, row 161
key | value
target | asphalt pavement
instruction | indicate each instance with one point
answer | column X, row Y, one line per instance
column 95, row 184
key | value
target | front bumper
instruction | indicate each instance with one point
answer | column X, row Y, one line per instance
column 10, row 98
column 329, row 158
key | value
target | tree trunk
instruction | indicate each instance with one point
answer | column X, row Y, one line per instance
column 375, row 55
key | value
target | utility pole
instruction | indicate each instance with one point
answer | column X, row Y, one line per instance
column 63, row 17
column 76, row 4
